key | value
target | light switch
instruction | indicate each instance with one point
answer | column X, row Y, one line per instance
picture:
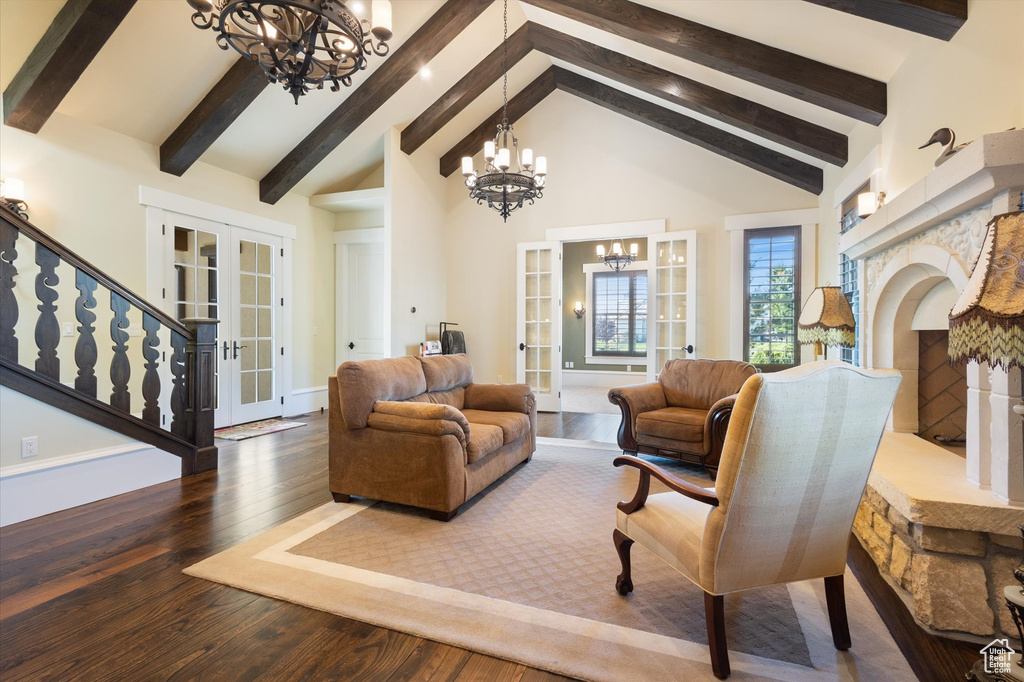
column 135, row 330
column 69, row 329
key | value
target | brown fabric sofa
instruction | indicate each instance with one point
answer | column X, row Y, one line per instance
column 685, row 413
column 418, row 431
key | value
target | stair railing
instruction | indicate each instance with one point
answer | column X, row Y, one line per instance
column 182, row 423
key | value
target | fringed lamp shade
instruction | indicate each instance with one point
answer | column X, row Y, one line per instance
column 987, row 322
column 827, row 319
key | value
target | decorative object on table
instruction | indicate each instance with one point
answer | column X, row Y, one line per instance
column 741, row 534
column 987, row 322
column 827, row 320
column 301, row 44
column 253, row 429
column 12, row 195
column 428, row 348
column 502, row 189
column 579, row 310
column 947, row 138
column 616, row 257
column 452, row 342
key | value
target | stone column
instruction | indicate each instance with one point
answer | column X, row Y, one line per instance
column 979, row 419
column 1007, row 436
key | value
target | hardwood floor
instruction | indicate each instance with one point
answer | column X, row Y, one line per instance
column 96, row 592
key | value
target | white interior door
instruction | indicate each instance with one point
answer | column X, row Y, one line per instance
column 672, row 298
column 253, row 346
column 361, row 319
column 538, row 315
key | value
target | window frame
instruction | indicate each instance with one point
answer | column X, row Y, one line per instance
column 590, row 358
column 756, row 233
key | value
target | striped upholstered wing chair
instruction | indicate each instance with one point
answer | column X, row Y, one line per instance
column 794, row 466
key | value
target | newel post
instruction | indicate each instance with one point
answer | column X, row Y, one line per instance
column 200, row 362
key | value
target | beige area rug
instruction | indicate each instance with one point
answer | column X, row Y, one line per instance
column 526, row 573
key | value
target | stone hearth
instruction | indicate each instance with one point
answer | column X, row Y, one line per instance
column 941, row 528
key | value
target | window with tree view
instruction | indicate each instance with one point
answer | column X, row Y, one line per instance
column 772, row 301
column 620, row 313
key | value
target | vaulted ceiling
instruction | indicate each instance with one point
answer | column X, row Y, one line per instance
column 775, row 85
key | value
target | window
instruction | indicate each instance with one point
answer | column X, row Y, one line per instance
column 619, row 319
column 771, row 266
column 848, row 270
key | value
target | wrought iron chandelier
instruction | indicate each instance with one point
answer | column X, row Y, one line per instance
column 617, row 258
column 505, row 190
column 301, row 44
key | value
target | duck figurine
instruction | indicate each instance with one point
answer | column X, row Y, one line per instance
column 947, row 138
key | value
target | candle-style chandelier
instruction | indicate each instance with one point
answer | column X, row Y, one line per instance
column 504, row 190
column 617, row 258
column 299, row 43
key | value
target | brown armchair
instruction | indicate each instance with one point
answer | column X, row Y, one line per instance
column 685, row 413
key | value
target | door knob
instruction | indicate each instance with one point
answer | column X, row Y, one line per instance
column 351, row 345
column 235, row 349
column 225, row 350
column 688, row 349
column 523, row 346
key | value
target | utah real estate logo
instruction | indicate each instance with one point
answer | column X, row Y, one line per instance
column 998, row 656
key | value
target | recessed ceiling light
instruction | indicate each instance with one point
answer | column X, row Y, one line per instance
column 425, row 72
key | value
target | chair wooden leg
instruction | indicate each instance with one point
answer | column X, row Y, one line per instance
column 714, row 612
column 624, row 582
column 341, row 497
column 835, row 597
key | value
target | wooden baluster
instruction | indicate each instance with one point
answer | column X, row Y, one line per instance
column 151, row 380
column 120, row 366
column 8, row 301
column 47, row 327
column 85, row 347
column 178, row 424
column 201, row 352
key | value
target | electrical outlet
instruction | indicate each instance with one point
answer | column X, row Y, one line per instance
column 567, row 364
column 316, row 331
column 629, row 368
column 499, row 379
column 572, row 365
column 135, row 330
column 69, row 329
column 29, row 447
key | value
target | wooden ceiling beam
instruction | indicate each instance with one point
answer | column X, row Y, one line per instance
column 795, row 133
column 404, row 63
column 69, row 45
column 826, row 86
column 935, row 18
column 527, row 99
column 460, row 95
column 225, row 102
column 750, row 154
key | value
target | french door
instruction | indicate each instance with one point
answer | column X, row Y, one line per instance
column 538, row 314
column 672, row 289
column 233, row 275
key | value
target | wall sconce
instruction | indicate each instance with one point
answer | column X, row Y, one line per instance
column 868, row 203
column 579, row 310
column 12, row 195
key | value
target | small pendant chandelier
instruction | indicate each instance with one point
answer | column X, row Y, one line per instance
column 301, row 44
column 617, row 258
column 503, row 190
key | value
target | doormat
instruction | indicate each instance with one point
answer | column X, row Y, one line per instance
column 253, row 429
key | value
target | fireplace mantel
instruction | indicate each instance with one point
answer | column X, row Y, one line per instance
column 990, row 165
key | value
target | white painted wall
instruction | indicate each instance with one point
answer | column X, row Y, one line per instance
column 414, row 221
column 604, row 168
column 972, row 84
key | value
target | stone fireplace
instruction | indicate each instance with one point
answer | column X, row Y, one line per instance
column 940, row 524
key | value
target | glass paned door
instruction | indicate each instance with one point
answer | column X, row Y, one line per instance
column 538, row 292
column 254, row 346
column 672, row 282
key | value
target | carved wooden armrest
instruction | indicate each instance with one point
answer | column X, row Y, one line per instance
column 673, row 482
column 632, row 401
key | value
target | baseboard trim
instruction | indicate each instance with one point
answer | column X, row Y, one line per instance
column 305, row 400
column 44, row 487
column 600, row 378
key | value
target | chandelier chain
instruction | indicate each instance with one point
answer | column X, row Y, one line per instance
column 504, row 68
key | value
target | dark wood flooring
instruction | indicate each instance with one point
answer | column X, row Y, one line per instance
column 96, row 592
